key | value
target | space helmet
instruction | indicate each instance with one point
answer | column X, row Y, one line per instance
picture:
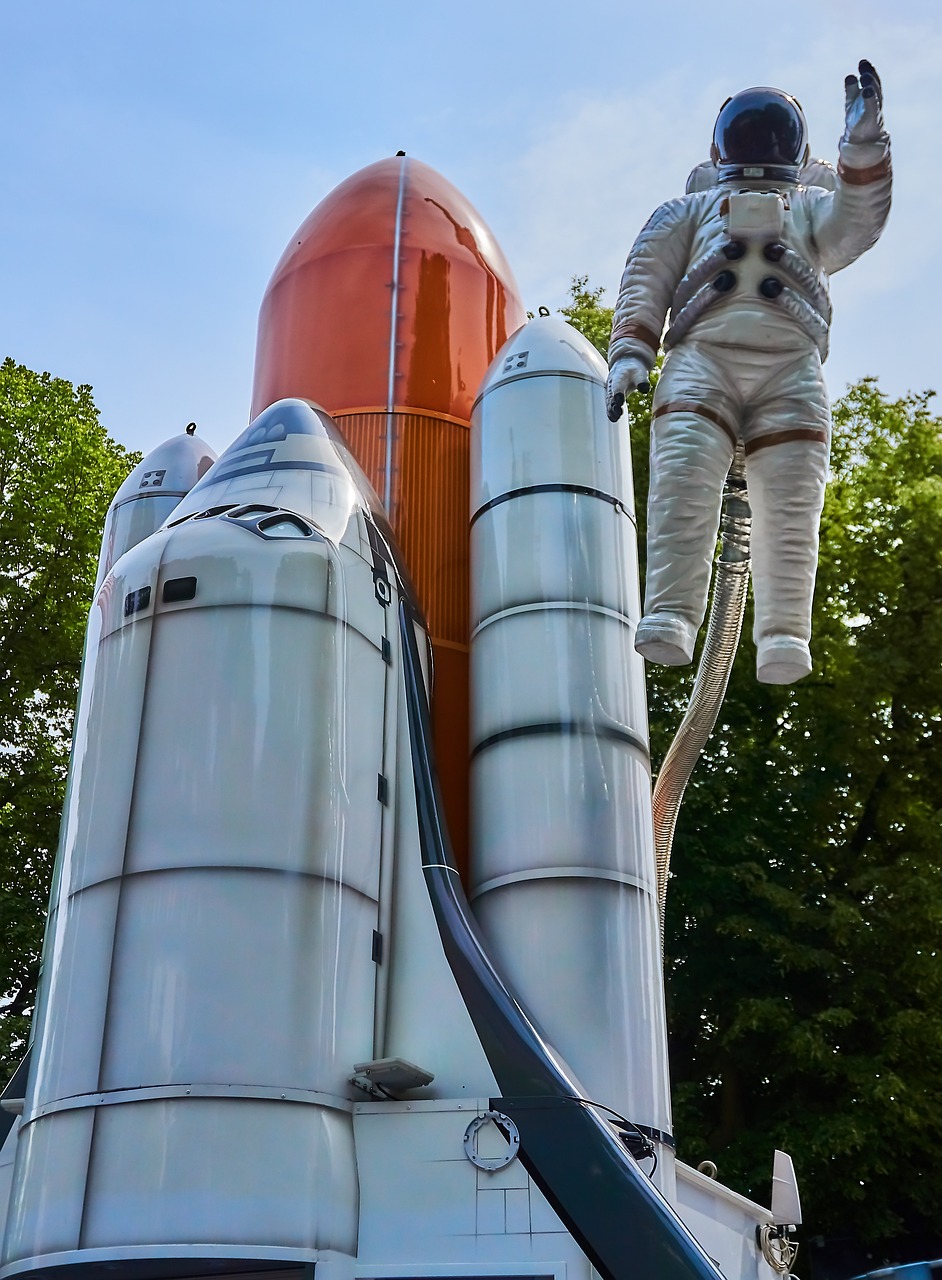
column 760, row 133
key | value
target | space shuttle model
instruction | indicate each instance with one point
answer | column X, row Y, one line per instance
column 326, row 988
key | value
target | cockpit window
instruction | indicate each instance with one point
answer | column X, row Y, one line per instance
column 266, row 522
column 283, row 526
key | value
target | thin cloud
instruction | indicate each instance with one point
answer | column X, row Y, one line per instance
column 604, row 161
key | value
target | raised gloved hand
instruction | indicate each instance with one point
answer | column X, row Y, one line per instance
column 626, row 375
column 863, row 105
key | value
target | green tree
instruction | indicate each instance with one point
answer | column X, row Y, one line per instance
column 804, row 923
column 58, row 472
column 586, row 312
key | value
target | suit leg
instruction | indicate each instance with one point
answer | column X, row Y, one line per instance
column 690, row 457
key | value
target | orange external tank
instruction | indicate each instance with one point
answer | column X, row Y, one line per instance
column 386, row 308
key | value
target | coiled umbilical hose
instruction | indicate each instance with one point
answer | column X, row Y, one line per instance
column 727, row 607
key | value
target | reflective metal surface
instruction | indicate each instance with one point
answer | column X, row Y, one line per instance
column 562, row 864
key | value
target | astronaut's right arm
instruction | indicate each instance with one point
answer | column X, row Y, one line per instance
column 655, row 266
column 849, row 220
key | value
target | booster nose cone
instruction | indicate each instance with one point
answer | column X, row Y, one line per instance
column 150, row 494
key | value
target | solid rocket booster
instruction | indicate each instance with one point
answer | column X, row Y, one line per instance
column 208, row 978
column 149, row 495
column 562, row 858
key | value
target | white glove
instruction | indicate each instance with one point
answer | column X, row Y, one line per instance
column 626, row 375
column 863, row 106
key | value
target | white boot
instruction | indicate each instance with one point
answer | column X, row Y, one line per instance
column 665, row 638
column 782, row 660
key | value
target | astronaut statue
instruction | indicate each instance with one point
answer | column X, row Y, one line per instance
column 742, row 262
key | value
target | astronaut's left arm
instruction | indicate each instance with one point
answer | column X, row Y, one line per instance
column 657, row 261
column 848, row 221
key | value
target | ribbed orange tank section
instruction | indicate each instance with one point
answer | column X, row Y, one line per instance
column 432, row 524
column 387, row 308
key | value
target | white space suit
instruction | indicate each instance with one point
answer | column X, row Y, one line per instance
column 743, row 265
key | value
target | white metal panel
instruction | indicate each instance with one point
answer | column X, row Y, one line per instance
column 516, row 1211
column 173, row 467
column 549, row 343
column 561, row 801
column 426, row 1021
column 48, row 1186
column 491, row 1218
column 136, row 571
column 207, row 1171
column 7, row 1156
column 229, row 975
column 584, row 955
column 129, row 523
column 426, row 1210
column 233, row 564
column 524, row 439
column 286, row 458
column 514, row 652
column 553, row 547
column 246, row 488
column 104, row 757
column 724, row 1222
column 76, row 968
column 284, row 776
column 511, row 1177
column 543, row 1219
column 352, row 596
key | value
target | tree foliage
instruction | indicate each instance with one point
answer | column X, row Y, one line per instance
column 804, row 922
column 586, row 312
column 58, row 472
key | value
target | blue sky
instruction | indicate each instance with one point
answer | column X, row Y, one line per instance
column 158, row 156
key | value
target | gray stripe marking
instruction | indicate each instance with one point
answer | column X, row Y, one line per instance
column 566, row 729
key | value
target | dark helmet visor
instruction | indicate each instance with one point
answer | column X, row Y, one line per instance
column 761, row 127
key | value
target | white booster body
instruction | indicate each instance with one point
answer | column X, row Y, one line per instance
column 562, row 852
column 150, row 494
column 209, row 971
